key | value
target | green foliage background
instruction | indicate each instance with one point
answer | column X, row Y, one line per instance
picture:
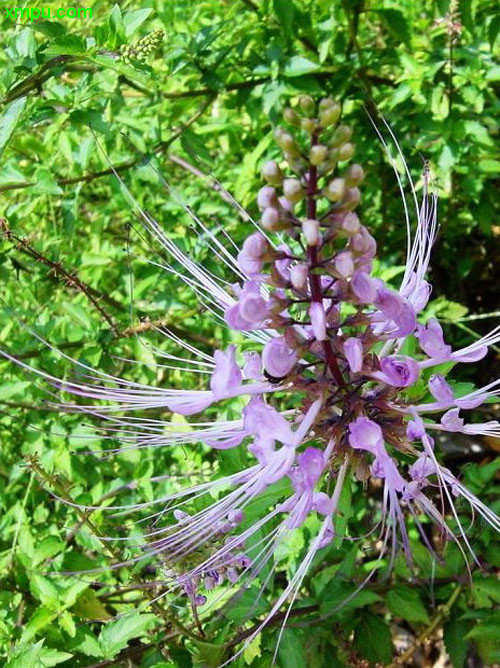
column 205, row 102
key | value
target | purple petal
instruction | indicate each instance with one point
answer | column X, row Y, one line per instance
column 440, row 389
column 227, row 375
column 364, row 434
column 318, row 320
column 278, row 358
column 353, row 351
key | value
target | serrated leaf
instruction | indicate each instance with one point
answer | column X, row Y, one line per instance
column 486, row 591
column 27, row 657
column 248, row 604
column 455, row 641
column 9, row 390
column 291, row 650
column 88, row 606
column 285, row 13
column 341, row 595
column 116, row 635
column 52, row 657
column 133, row 20
column 396, row 23
column 67, row 45
column 406, row 603
column 372, row 639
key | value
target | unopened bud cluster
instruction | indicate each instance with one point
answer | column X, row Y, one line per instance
column 315, row 148
column 142, row 48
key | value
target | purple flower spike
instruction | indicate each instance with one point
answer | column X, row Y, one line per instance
column 325, row 337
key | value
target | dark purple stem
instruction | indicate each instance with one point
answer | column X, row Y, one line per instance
column 314, row 279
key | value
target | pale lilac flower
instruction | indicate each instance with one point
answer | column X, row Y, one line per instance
column 398, row 371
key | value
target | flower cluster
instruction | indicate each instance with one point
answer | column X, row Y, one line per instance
column 142, row 48
column 327, row 335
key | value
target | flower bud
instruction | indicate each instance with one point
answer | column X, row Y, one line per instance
column 310, row 229
column 346, row 151
column 298, row 275
column 350, row 224
column 255, row 245
column 318, row 321
column 295, row 162
column 307, row 105
column 318, row 154
column 351, row 199
column 266, row 197
column 354, row 175
column 326, row 103
column 344, row 264
column 293, row 190
column 272, row 173
column 285, row 204
column 341, row 135
column 309, row 125
column 285, row 141
column 335, row 190
column 329, row 115
column 353, row 351
column 291, row 116
column 270, row 219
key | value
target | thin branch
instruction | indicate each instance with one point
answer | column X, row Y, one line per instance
column 35, row 81
column 58, row 270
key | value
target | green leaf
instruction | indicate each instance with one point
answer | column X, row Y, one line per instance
column 67, row 45
column 494, row 30
column 88, row 606
column 49, row 28
column 45, row 591
column 486, row 591
column 291, row 650
column 406, row 603
column 133, row 20
column 285, row 12
column 487, row 638
column 338, row 594
column 52, row 657
column 9, row 119
column 9, row 390
column 372, row 638
column 27, row 657
column 116, row 635
column 246, row 605
column 296, row 66
column 396, row 23
column 454, row 633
